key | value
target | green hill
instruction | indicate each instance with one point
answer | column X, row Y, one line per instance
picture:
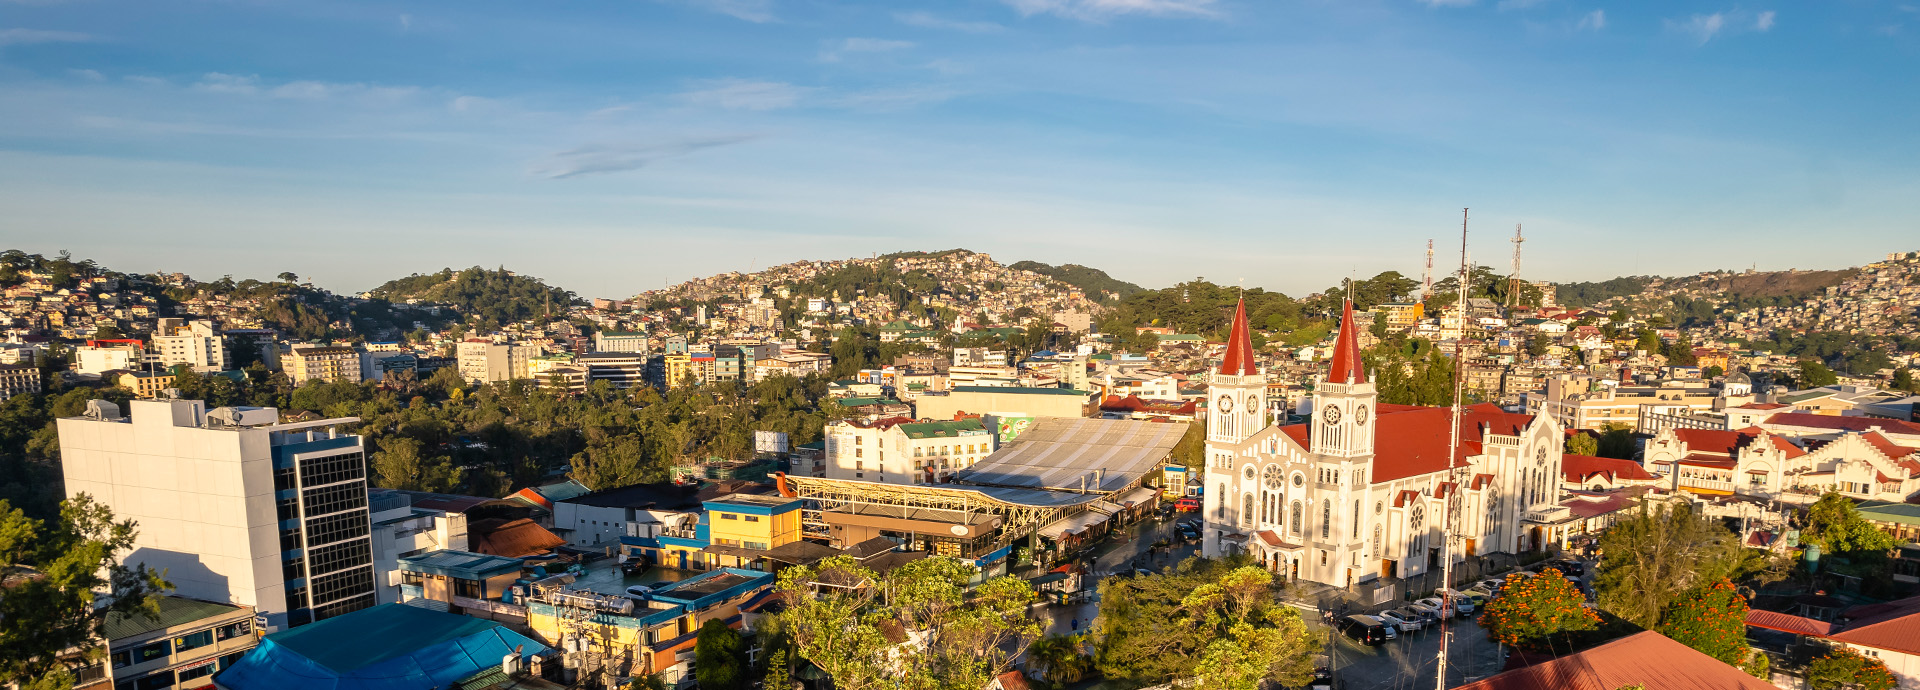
column 1092, row 281
column 496, row 295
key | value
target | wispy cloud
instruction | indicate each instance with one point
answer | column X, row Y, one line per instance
column 406, row 21
column 835, row 50
column 598, row 159
column 739, row 94
column 19, row 37
column 1097, row 10
column 87, row 74
column 928, row 20
column 1519, row 4
column 894, row 99
column 303, row 90
column 1595, row 21
column 1704, row 27
column 1446, row 3
column 756, row 11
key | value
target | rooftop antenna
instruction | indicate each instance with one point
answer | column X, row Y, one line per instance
column 1426, row 288
column 1513, row 279
column 1453, row 446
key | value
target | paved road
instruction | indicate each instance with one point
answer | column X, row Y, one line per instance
column 1410, row 661
column 1121, row 552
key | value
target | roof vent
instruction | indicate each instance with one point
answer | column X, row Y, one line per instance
column 102, row 410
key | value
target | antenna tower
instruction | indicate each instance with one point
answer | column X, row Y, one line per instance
column 1513, row 279
column 1426, row 289
column 1453, row 446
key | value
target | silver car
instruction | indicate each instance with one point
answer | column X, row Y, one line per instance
column 1395, row 619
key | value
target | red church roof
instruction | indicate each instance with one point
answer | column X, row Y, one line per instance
column 1347, row 367
column 1410, row 441
column 1239, row 358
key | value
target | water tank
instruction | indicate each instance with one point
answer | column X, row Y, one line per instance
column 102, row 410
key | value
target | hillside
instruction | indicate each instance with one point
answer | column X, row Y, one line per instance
column 496, row 295
column 1092, row 281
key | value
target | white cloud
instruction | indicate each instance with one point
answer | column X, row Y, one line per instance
column 1446, row 3
column 1519, row 4
column 894, row 99
column 220, row 82
column 87, row 74
column 836, row 49
column 756, row 11
column 595, row 159
column 928, row 20
column 738, row 94
column 18, row 37
column 1096, row 10
column 1705, row 27
column 406, row 22
column 1595, row 20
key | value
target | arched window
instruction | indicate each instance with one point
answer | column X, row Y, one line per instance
column 1376, row 540
column 1246, row 509
column 1296, row 517
column 1356, row 518
column 1326, row 518
column 1221, row 507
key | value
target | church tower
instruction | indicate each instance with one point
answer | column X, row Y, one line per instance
column 1236, row 395
column 1344, row 401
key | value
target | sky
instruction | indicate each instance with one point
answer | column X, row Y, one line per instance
column 613, row 146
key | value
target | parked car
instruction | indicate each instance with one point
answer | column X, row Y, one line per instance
column 1187, row 532
column 1412, row 614
column 1572, row 569
column 1446, row 610
column 1459, row 599
column 1365, row 630
column 1431, row 613
column 1405, row 625
column 1187, row 505
column 640, row 590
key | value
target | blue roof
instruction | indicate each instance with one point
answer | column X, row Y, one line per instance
column 387, row 647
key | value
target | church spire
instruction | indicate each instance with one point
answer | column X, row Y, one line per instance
column 1347, row 367
column 1239, row 359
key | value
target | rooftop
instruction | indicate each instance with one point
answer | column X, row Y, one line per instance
column 664, row 495
column 1647, row 659
column 1061, row 453
column 173, row 611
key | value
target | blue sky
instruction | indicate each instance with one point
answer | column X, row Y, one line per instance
column 611, row 146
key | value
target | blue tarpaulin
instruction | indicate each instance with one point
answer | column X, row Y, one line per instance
column 387, row 647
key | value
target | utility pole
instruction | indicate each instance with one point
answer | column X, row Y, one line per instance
column 1426, row 288
column 1453, row 446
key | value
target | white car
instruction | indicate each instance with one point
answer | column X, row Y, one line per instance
column 1446, row 610
column 1395, row 619
column 1459, row 600
column 1431, row 612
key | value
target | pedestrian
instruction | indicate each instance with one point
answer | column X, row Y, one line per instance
column 1076, row 625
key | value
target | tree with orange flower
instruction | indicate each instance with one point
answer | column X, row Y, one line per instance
column 1712, row 619
column 1843, row 668
column 1532, row 611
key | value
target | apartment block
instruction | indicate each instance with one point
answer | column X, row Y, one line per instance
column 235, row 506
column 322, row 362
column 18, row 379
column 195, row 345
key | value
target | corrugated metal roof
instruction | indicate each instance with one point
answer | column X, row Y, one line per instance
column 1061, row 453
column 173, row 611
column 1648, row 659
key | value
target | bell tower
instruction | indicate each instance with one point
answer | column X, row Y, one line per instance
column 1343, row 403
column 1236, row 394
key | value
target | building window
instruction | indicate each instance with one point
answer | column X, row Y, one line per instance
column 471, row 589
column 1246, row 509
column 728, row 516
column 1326, row 518
column 193, row 641
column 751, row 518
column 233, row 630
column 1296, row 518
column 150, row 651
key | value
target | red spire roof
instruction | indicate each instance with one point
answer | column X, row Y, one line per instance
column 1239, row 359
column 1347, row 367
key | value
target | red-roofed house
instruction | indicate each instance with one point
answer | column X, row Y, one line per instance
column 1888, row 631
column 1757, row 462
column 1713, row 462
column 1357, row 493
column 1647, row 659
column 1589, row 473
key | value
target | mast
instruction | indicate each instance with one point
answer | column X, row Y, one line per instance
column 1453, row 446
column 1513, row 279
column 1426, row 287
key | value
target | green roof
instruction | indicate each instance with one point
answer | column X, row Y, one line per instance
column 465, row 565
column 941, row 429
column 173, row 611
column 1022, row 390
column 862, row 402
column 1183, row 337
column 369, row 636
column 1900, row 513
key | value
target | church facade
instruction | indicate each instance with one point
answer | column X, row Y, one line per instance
column 1361, row 490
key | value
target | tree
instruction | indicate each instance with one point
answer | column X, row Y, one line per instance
column 1842, row 668
column 60, row 605
column 288, row 276
column 1903, row 380
column 1653, row 558
column 1834, row 523
column 1712, row 619
column 1712, row 371
column 1616, row 441
column 1649, row 341
column 777, row 677
column 1539, row 345
column 1583, row 443
column 1531, row 612
column 1813, row 374
column 1216, row 623
column 914, row 627
column 1061, row 658
column 719, row 662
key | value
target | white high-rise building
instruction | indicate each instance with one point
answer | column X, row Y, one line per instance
column 234, row 505
column 195, row 345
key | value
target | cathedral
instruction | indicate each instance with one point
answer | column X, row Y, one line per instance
column 1360, row 491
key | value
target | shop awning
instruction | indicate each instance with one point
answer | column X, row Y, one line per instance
column 1138, row 497
column 1104, row 507
column 1047, row 578
column 1074, row 525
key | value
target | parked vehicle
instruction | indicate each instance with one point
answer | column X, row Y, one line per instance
column 1187, row 505
column 1365, row 630
column 1394, row 619
column 1431, row 613
column 640, row 590
column 1412, row 614
column 1459, row 599
column 1187, row 532
column 1446, row 610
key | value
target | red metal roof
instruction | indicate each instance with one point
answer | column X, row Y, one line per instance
column 1726, row 442
column 1784, row 622
column 1821, row 421
column 1239, row 359
column 1347, row 367
column 1577, row 468
column 1648, row 659
column 511, row 538
column 1410, row 440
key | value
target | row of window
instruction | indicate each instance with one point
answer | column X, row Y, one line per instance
column 340, row 556
column 334, row 499
column 741, row 517
column 333, row 528
column 341, row 585
column 160, row 649
column 171, row 677
column 332, row 469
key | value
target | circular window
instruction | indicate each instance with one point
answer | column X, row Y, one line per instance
column 1249, row 472
column 1379, row 507
column 1360, row 415
column 1540, row 456
column 1299, row 480
column 1253, row 405
column 1330, row 415
column 1226, row 403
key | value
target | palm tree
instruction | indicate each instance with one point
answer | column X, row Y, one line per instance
column 1062, row 658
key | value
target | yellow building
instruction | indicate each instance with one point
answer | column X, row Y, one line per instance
column 744, row 526
column 654, row 636
column 146, row 384
column 1401, row 316
column 679, row 369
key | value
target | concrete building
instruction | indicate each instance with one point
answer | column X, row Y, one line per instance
column 101, row 356
column 19, row 379
column 182, row 647
column 619, row 369
column 486, row 361
column 1004, row 402
column 145, row 384
column 620, row 341
column 899, row 451
column 402, row 530
column 236, row 507
column 323, row 363
column 195, row 344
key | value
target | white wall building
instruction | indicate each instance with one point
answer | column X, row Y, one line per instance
column 235, row 507
column 898, row 451
column 402, row 530
column 196, row 345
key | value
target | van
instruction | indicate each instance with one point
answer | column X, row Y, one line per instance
column 1365, row 630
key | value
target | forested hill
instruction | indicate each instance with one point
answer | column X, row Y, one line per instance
column 496, row 295
column 1092, row 281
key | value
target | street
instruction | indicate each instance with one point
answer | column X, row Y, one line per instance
column 1410, row 661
